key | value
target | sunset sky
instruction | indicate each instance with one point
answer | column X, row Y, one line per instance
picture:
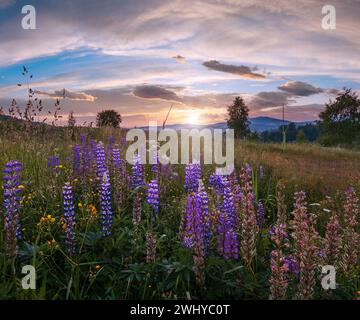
column 139, row 57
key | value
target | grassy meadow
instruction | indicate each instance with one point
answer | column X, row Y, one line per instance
column 145, row 256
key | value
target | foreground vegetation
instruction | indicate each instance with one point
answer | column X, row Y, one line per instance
column 276, row 246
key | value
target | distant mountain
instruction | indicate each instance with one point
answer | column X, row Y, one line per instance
column 258, row 124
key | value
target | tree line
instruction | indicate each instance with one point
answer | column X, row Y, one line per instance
column 338, row 124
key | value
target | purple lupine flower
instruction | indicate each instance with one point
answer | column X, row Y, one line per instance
column 195, row 229
column 69, row 214
column 137, row 179
column 216, row 181
column 12, row 198
column 227, row 237
column 292, row 265
column 152, row 197
column 116, row 157
column 155, row 167
column 195, row 220
column 261, row 214
column 100, row 161
column 77, row 159
column 205, row 214
column 105, row 200
column 192, row 176
column 53, row 161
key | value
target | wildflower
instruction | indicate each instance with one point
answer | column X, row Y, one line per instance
column 51, row 243
column 350, row 236
column 53, row 161
column 105, row 199
column 306, row 249
column 332, row 239
column 249, row 226
column 195, row 230
column 92, row 210
column 192, row 176
column 292, row 265
column 151, row 240
column 216, row 181
column 153, row 195
column 278, row 265
column 100, row 161
column 137, row 179
column 227, row 244
column 12, row 198
column 69, row 215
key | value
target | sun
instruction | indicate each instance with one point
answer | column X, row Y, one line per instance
column 193, row 117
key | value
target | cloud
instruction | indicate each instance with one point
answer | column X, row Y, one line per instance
column 180, row 59
column 155, row 92
column 243, row 71
column 271, row 99
column 300, row 88
column 333, row 91
column 67, row 94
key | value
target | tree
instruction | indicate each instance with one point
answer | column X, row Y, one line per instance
column 340, row 121
column 301, row 137
column 108, row 118
column 238, row 118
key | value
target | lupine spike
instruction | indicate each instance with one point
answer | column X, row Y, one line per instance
column 106, row 209
column 227, row 238
column 306, row 250
column 12, row 200
column 100, row 161
column 69, row 215
column 249, row 226
column 152, row 197
column 278, row 280
column 351, row 239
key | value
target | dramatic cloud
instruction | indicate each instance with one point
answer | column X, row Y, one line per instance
column 67, row 94
column 300, row 88
column 243, row 71
column 155, row 92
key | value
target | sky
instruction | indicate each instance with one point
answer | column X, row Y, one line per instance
column 141, row 57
